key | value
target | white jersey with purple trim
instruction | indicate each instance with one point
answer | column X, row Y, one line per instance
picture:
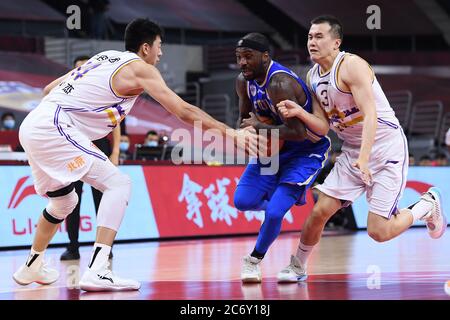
column 345, row 117
column 88, row 97
column 388, row 161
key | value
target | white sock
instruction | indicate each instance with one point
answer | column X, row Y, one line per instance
column 420, row 209
column 303, row 252
column 99, row 257
column 34, row 259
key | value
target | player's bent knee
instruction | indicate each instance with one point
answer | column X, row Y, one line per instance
column 321, row 213
column 61, row 203
column 378, row 234
column 119, row 181
column 377, row 227
column 244, row 202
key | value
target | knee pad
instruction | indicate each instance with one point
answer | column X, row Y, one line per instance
column 61, row 203
column 116, row 189
column 114, row 201
column 118, row 181
column 105, row 176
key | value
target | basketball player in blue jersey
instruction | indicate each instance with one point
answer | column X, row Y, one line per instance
column 261, row 85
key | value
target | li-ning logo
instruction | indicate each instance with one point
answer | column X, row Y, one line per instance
column 105, row 278
column 19, row 193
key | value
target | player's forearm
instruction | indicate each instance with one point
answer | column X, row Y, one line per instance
column 197, row 117
column 295, row 132
column 315, row 124
column 184, row 111
column 368, row 134
column 116, row 140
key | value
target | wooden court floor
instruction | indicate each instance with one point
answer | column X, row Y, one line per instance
column 343, row 267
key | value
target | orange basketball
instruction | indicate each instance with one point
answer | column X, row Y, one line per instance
column 270, row 121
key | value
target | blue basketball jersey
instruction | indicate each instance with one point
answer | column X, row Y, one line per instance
column 262, row 106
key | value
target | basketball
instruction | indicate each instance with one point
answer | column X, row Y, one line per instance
column 268, row 153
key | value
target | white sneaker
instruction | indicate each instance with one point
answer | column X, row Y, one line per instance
column 294, row 272
column 41, row 274
column 435, row 220
column 105, row 280
column 251, row 272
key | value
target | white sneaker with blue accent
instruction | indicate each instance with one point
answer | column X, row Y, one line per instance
column 435, row 220
column 294, row 272
column 105, row 280
column 251, row 271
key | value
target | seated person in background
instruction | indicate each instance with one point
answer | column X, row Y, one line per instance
column 124, row 148
column 441, row 160
column 151, row 149
column 9, row 134
column 8, row 122
column 152, row 139
column 425, row 161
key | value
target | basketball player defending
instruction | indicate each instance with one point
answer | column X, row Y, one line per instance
column 374, row 154
column 82, row 106
column 261, row 85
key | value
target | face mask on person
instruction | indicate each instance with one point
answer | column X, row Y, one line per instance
column 124, row 146
column 9, row 123
column 151, row 144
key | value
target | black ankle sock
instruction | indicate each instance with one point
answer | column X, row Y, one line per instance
column 256, row 254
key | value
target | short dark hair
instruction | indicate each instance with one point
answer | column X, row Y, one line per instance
column 335, row 24
column 80, row 58
column 259, row 38
column 7, row 114
column 141, row 31
column 152, row 132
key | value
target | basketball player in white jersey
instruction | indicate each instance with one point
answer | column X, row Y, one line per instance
column 374, row 153
column 82, row 106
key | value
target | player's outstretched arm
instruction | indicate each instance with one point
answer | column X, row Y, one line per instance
column 148, row 77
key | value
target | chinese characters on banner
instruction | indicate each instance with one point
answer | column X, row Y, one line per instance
column 198, row 200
